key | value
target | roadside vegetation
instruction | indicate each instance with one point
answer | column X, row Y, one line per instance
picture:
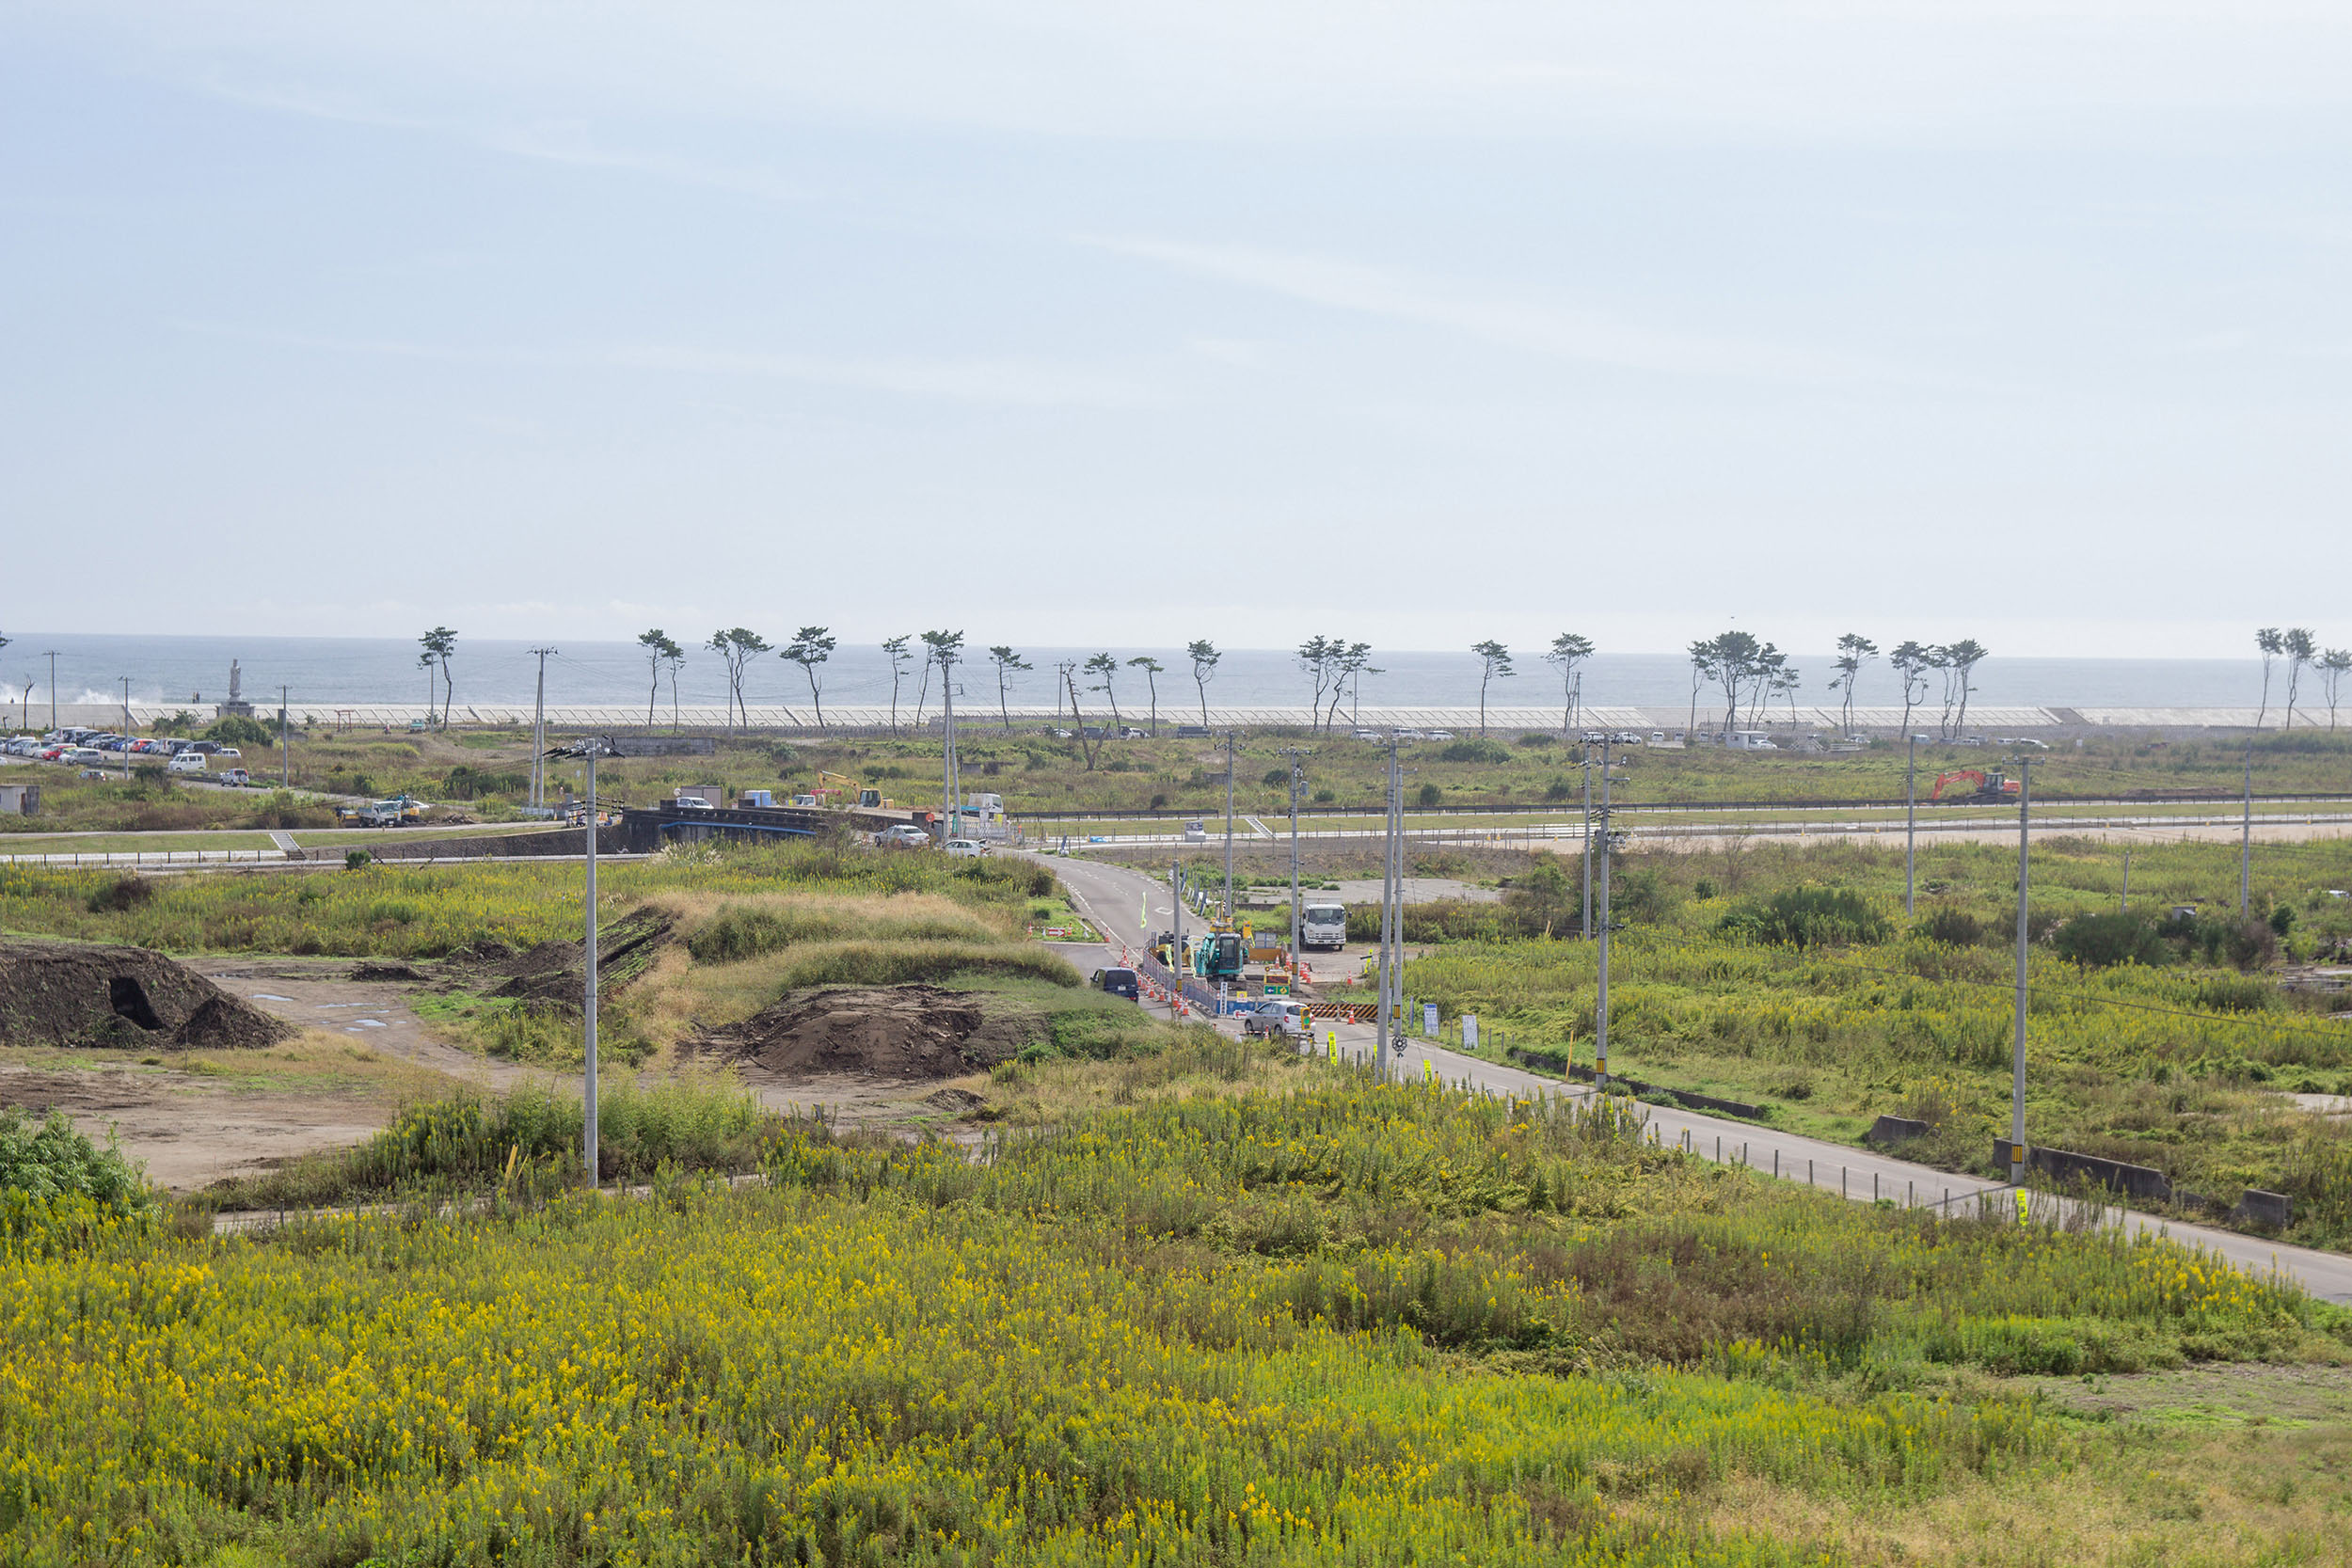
column 1789, row 978
column 485, row 773
column 1262, row 1310
column 150, row 802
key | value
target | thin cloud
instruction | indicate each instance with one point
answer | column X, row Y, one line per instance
column 1587, row 337
column 1014, row 382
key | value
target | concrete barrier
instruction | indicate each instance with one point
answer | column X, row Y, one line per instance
column 2261, row 1207
column 2138, row 1180
column 1896, row 1130
column 395, row 846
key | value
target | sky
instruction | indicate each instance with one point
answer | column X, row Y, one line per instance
column 1137, row 323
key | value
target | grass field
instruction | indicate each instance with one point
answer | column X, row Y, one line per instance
column 1280, row 1316
column 486, row 772
column 2178, row 1066
column 388, row 911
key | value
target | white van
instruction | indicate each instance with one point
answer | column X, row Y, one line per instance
column 186, row 762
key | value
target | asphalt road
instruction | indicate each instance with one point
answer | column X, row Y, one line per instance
column 1126, row 904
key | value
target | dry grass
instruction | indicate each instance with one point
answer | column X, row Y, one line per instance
column 2141, row 1494
column 776, row 942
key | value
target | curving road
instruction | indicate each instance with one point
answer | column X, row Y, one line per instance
column 1126, row 904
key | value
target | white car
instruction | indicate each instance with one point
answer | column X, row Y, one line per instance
column 965, row 848
column 1438, row 734
column 186, row 762
column 230, row 753
column 693, row 802
column 905, row 835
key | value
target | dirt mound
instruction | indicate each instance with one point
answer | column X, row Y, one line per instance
column 553, row 971
column 127, row 998
column 373, row 970
column 894, row 1031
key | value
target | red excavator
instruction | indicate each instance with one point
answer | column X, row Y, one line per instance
column 1990, row 787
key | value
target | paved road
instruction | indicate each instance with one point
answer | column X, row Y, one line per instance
column 1113, row 896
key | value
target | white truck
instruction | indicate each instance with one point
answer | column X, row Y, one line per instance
column 1323, row 926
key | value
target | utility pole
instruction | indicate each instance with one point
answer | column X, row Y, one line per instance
column 126, row 707
column 1585, row 927
column 1176, row 934
column 949, row 781
column 285, row 741
column 1388, row 895
column 2017, row 1059
column 1394, row 1000
column 1228, row 827
column 2245, row 842
column 2125, row 908
column 1911, row 819
column 539, row 733
column 588, row 1140
column 52, row 656
column 1298, row 781
column 1600, row 1011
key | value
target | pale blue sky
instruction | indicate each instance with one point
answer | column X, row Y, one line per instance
column 1138, row 323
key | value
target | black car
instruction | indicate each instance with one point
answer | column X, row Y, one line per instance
column 1119, row 982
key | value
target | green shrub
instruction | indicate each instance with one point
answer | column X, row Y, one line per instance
column 1951, row 926
column 1807, row 917
column 53, row 1159
column 237, row 730
column 2104, row 940
column 1475, row 750
column 1431, row 795
column 467, row 782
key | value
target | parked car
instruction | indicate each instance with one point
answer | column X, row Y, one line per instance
column 95, row 773
column 83, row 756
column 965, row 848
column 1131, row 733
column 1276, row 1018
column 186, row 762
column 235, row 776
column 1626, row 737
column 693, row 802
column 1438, row 734
column 1119, row 982
column 904, row 836
column 1196, row 833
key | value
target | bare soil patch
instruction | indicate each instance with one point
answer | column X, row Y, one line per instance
column 93, row 994
column 897, row 1031
column 188, row 1132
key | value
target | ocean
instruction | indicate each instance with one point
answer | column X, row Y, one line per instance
column 320, row 671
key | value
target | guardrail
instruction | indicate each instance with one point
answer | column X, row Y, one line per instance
column 102, row 858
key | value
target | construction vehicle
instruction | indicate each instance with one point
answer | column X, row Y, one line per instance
column 1161, row 949
column 397, row 811
column 1993, row 788
column 832, row 787
column 1218, row 957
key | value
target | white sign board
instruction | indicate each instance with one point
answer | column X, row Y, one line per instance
column 1429, row 1020
column 1469, row 1031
